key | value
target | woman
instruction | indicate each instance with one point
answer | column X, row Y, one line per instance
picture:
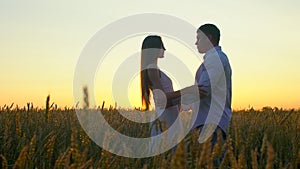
column 152, row 78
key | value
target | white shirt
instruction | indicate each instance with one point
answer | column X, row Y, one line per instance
column 214, row 74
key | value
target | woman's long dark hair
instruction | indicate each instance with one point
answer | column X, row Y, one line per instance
column 149, row 42
column 145, row 86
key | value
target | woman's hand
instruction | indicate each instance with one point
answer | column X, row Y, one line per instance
column 194, row 90
column 187, row 99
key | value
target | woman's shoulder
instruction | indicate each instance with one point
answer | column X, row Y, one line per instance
column 164, row 76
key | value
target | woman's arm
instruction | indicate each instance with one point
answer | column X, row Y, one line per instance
column 189, row 94
column 165, row 100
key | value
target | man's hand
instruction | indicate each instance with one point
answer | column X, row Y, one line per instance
column 192, row 94
column 195, row 90
column 202, row 92
column 187, row 99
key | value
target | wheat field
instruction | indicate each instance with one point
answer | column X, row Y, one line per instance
column 53, row 138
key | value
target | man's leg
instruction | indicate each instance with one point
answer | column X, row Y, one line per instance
column 218, row 137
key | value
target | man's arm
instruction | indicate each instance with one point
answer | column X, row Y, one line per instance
column 174, row 98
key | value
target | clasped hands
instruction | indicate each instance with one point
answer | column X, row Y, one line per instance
column 186, row 95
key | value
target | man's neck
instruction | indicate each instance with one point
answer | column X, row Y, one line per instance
column 214, row 48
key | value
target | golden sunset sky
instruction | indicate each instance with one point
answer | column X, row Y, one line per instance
column 41, row 42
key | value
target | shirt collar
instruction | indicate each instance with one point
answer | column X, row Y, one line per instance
column 212, row 50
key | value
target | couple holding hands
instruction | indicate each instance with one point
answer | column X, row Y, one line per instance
column 212, row 89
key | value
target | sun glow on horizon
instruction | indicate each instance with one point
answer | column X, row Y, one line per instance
column 40, row 49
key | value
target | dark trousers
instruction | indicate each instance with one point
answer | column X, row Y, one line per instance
column 215, row 135
column 218, row 132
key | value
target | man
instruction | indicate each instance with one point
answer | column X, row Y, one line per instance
column 213, row 79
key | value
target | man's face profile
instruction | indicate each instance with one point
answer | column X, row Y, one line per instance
column 202, row 42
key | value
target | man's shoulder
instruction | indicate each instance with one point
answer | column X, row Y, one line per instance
column 223, row 57
column 216, row 58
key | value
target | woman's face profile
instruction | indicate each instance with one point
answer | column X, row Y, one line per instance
column 161, row 53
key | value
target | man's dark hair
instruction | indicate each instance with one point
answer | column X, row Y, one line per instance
column 211, row 29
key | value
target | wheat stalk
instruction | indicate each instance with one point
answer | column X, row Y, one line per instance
column 3, row 161
column 271, row 155
column 22, row 158
column 254, row 162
